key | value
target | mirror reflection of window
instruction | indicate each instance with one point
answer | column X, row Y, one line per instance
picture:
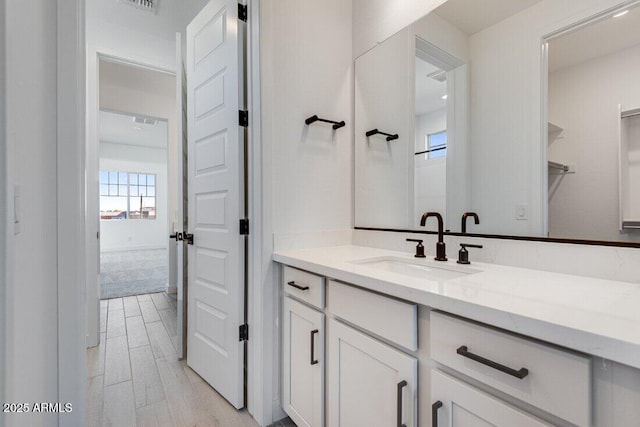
column 430, row 175
column 436, row 145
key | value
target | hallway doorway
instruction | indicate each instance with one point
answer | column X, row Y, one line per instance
column 133, row 203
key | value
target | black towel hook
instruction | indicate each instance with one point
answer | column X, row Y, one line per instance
column 390, row 137
column 314, row 118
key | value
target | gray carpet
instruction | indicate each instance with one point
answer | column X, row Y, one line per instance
column 125, row 273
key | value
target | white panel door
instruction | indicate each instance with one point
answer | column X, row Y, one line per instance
column 303, row 364
column 456, row 404
column 216, row 195
column 370, row 383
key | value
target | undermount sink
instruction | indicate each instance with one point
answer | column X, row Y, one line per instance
column 421, row 270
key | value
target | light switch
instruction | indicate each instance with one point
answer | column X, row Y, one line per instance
column 522, row 213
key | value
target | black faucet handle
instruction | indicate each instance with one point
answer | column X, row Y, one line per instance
column 469, row 245
column 419, row 247
column 463, row 254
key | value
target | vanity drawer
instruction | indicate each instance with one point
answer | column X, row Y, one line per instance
column 552, row 379
column 304, row 286
column 389, row 318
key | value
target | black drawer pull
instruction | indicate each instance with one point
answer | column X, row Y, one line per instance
column 434, row 413
column 402, row 384
column 314, row 361
column 520, row 374
column 295, row 285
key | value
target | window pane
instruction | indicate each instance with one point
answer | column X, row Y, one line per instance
column 113, row 208
column 122, row 190
column 133, row 178
column 437, row 143
column 113, row 190
column 439, row 153
column 151, row 191
column 151, row 180
column 104, row 177
column 122, row 178
column 133, row 190
column 142, row 191
column 113, row 177
column 149, row 207
column 142, row 179
column 437, row 140
column 134, row 207
column 104, row 190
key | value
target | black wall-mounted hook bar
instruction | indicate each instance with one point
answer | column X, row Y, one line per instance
column 389, row 136
column 314, row 118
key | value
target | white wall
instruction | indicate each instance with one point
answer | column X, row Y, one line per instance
column 136, row 234
column 430, row 174
column 307, row 183
column 31, row 292
column 377, row 20
column 306, row 71
column 583, row 100
column 132, row 33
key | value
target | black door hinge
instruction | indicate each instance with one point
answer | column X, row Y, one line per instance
column 188, row 238
column 244, row 118
column 244, row 332
column 244, row 227
column 242, row 12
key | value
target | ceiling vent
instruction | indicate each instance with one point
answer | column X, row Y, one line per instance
column 145, row 120
column 148, row 5
column 438, row 75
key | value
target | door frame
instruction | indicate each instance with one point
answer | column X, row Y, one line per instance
column 75, row 94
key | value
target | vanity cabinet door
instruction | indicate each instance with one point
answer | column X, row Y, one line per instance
column 370, row 383
column 303, row 364
column 457, row 404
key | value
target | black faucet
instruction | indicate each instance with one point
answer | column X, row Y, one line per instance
column 441, row 252
column 464, row 220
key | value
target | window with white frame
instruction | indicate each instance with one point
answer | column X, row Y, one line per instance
column 127, row 195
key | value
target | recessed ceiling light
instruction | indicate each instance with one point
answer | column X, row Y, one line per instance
column 619, row 14
column 445, row 96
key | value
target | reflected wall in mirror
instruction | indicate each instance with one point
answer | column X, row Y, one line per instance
column 523, row 111
column 593, row 121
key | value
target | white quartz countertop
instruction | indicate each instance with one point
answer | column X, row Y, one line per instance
column 594, row 316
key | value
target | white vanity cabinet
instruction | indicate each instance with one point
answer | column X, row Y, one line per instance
column 536, row 373
column 372, row 376
column 303, row 355
column 370, row 383
column 303, row 359
column 457, row 404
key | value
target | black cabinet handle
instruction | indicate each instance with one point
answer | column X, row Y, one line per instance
column 402, row 384
column 520, row 374
column 313, row 350
column 434, row 413
column 295, row 285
